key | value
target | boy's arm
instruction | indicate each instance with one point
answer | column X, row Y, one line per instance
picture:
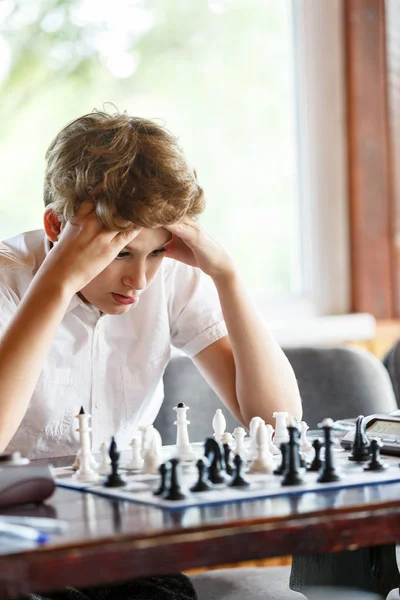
column 247, row 369
column 84, row 249
column 23, row 348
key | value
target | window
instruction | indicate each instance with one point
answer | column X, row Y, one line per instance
column 236, row 81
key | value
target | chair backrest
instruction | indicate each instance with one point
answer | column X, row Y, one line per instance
column 336, row 382
column 392, row 364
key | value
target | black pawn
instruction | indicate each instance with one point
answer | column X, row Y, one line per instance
column 212, row 447
column 282, row 467
column 162, row 469
column 328, row 473
column 292, row 475
column 201, row 485
column 228, row 466
column 360, row 447
column 174, row 491
column 114, row 479
column 375, row 464
column 316, row 463
column 238, row 480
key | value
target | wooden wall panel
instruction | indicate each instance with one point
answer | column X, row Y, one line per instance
column 393, row 83
column 369, row 190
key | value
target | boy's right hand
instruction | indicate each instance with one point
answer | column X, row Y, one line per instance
column 85, row 248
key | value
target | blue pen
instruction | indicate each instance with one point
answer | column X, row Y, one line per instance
column 23, row 532
column 43, row 523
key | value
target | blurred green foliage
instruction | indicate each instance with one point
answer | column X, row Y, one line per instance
column 218, row 73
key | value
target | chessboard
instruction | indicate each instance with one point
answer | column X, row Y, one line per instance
column 140, row 487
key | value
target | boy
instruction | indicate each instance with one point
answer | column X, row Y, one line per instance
column 89, row 307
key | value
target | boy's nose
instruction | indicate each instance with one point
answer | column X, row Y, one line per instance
column 136, row 281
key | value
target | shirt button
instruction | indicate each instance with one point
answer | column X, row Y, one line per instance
column 97, row 405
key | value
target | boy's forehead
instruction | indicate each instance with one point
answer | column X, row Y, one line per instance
column 153, row 238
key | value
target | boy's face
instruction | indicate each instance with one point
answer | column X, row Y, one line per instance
column 118, row 288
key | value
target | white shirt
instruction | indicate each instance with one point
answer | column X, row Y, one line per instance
column 111, row 365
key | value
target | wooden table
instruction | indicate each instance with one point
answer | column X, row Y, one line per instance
column 110, row 541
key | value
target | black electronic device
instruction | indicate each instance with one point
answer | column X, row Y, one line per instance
column 384, row 427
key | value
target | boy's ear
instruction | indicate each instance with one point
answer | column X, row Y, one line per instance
column 52, row 225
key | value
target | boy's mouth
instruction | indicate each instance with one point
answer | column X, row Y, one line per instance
column 120, row 299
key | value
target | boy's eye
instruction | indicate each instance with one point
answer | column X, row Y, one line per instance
column 158, row 252
column 122, row 254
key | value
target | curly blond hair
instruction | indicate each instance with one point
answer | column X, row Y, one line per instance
column 139, row 165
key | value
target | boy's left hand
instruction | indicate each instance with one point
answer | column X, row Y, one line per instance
column 192, row 245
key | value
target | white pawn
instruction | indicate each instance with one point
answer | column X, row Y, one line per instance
column 226, row 438
column 105, row 464
column 183, row 448
column 152, row 456
column 239, row 434
column 218, row 424
column 281, row 433
column 136, row 461
column 263, row 461
column 305, row 445
column 253, row 426
column 272, row 448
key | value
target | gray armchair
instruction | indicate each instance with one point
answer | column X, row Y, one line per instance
column 338, row 382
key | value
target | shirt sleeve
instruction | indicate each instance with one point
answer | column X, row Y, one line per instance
column 196, row 318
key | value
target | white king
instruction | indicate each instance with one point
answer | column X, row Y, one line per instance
column 183, row 447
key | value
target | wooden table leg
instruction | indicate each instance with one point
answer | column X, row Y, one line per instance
column 373, row 569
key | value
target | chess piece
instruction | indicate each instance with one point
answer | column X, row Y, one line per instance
column 218, row 424
column 105, row 464
column 114, row 479
column 201, row 485
column 316, row 463
column 360, row 446
column 263, row 460
column 174, row 491
column 305, row 445
column 136, row 462
column 183, row 447
column 226, row 440
column 153, row 451
column 212, row 447
column 163, row 470
column 253, row 427
column 281, row 432
column 239, row 433
column 292, row 475
column 238, row 480
column 282, row 467
column 375, row 464
column 328, row 473
column 142, row 429
column 85, row 473
column 272, row 448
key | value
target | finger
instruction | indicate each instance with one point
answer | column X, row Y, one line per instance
column 123, row 238
column 87, row 207
column 185, row 229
